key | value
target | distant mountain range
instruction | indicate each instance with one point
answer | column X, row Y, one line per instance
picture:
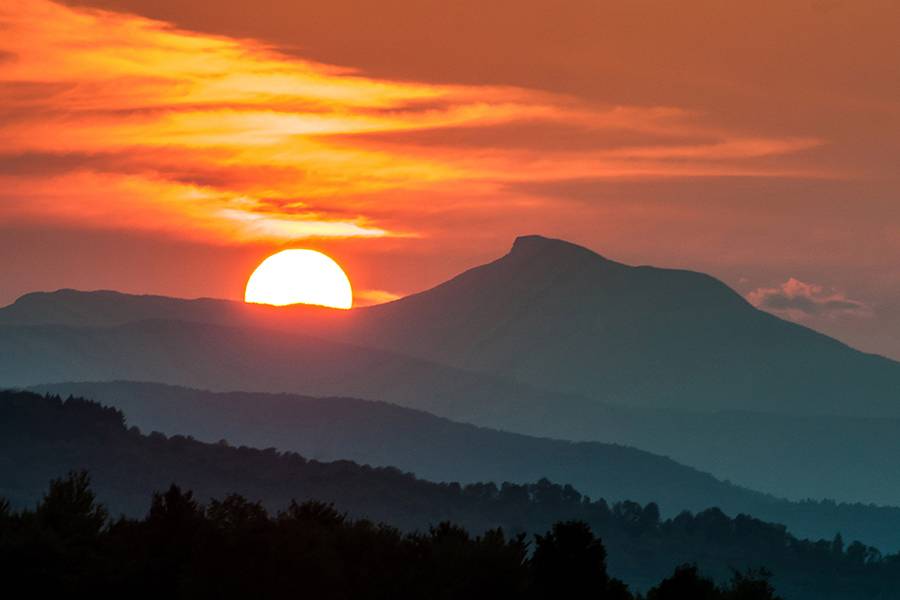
column 43, row 438
column 551, row 340
column 381, row 434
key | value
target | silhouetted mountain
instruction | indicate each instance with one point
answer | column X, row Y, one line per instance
column 41, row 435
column 561, row 317
column 106, row 308
column 437, row 449
column 551, row 340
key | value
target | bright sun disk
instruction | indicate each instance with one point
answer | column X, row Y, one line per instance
column 299, row 277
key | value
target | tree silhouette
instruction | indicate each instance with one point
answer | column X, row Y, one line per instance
column 685, row 584
column 70, row 510
column 569, row 561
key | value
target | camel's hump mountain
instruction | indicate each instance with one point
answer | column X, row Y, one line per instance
column 557, row 316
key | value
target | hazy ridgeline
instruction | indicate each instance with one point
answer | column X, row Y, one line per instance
column 381, row 434
column 43, row 437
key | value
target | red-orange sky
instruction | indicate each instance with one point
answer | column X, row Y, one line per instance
column 167, row 146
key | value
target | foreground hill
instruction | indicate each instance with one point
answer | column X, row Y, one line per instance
column 235, row 548
column 437, row 449
column 43, row 435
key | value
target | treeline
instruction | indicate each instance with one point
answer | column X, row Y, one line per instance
column 41, row 437
column 233, row 548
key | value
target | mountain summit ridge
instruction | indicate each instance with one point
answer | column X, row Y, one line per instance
column 533, row 244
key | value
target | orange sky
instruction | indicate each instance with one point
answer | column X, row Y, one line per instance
column 167, row 146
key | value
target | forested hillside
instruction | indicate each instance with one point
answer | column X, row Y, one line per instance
column 382, row 434
column 44, row 437
column 233, row 548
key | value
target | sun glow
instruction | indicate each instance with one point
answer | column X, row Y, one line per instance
column 299, row 277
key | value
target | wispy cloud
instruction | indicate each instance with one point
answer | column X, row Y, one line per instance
column 798, row 300
column 370, row 297
column 112, row 120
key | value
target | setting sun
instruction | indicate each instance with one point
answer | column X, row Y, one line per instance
column 299, row 277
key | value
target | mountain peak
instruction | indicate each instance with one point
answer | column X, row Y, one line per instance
column 529, row 247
